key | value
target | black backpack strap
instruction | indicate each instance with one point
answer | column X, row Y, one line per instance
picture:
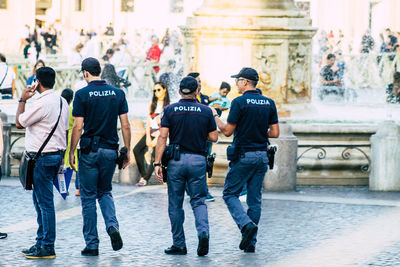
column 50, row 134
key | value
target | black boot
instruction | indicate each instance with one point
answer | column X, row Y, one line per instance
column 90, row 252
column 116, row 240
column 174, row 250
column 202, row 249
column 248, row 231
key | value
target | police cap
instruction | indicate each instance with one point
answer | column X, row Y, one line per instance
column 247, row 73
column 188, row 85
column 91, row 65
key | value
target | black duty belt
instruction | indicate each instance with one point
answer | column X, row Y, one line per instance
column 109, row 146
column 252, row 149
column 191, row 152
column 56, row 153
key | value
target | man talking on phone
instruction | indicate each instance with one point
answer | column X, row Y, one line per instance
column 39, row 118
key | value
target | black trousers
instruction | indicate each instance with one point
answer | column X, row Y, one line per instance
column 139, row 150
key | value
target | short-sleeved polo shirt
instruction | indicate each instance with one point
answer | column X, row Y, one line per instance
column 100, row 105
column 252, row 113
column 189, row 124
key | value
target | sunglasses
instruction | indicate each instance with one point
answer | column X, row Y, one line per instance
column 157, row 90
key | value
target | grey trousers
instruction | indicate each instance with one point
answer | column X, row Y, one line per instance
column 248, row 170
column 190, row 170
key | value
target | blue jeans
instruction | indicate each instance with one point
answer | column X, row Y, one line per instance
column 190, row 170
column 96, row 171
column 249, row 170
column 45, row 171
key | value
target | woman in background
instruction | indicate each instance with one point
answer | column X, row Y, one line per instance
column 31, row 79
column 149, row 140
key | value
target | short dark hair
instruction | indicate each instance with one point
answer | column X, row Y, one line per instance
column 254, row 83
column 194, row 74
column 2, row 58
column 329, row 56
column 46, row 76
column 68, row 95
column 91, row 65
column 225, row 85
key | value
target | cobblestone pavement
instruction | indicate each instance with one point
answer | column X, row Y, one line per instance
column 315, row 226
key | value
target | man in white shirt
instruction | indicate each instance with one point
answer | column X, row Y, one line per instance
column 7, row 79
column 39, row 119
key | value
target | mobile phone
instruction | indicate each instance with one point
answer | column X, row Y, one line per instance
column 34, row 86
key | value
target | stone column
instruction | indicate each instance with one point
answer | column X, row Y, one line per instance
column 283, row 176
column 385, row 158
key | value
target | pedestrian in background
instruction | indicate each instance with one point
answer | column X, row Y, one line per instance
column 221, row 102
column 253, row 118
column 48, row 110
column 7, row 79
column 189, row 125
column 149, row 140
column 96, row 109
column 2, row 235
column 205, row 100
column 40, row 63
column 68, row 95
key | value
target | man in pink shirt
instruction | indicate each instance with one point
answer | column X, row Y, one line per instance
column 39, row 119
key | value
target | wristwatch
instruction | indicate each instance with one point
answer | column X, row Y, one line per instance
column 156, row 164
column 21, row 100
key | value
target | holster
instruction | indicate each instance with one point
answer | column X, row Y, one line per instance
column 171, row 151
column 271, row 156
column 122, row 156
column 85, row 145
column 210, row 164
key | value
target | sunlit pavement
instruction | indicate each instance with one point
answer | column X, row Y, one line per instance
column 315, row 226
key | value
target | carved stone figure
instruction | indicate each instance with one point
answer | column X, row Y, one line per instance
column 298, row 68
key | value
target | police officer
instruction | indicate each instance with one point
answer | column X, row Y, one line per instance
column 253, row 119
column 189, row 125
column 96, row 110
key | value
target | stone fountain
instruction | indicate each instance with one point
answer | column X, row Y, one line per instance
column 272, row 36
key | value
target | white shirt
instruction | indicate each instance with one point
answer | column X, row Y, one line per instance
column 40, row 118
column 10, row 75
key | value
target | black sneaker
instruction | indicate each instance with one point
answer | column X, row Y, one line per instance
column 30, row 250
column 209, row 198
column 3, row 235
column 90, row 252
column 250, row 249
column 116, row 240
column 202, row 249
column 248, row 232
column 42, row 253
column 174, row 250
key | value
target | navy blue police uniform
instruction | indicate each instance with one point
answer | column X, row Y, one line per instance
column 100, row 105
column 189, row 124
column 252, row 113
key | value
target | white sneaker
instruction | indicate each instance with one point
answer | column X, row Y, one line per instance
column 142, row 182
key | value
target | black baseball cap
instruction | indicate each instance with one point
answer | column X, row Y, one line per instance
column 188, row 85
column 91, row 65
column 247, row 73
